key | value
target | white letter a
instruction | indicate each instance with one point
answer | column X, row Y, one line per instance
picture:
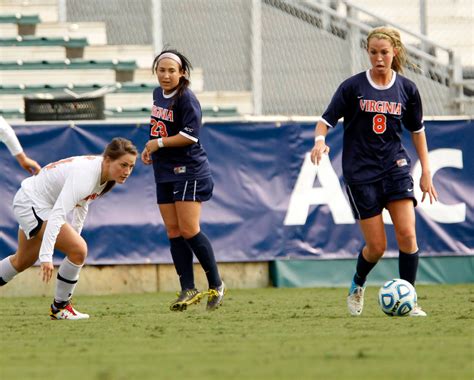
column 304, row 194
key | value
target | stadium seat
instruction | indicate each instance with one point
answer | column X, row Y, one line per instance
column 130, row 97
column 124, row 70
column 26, row 23
column 144, row 112
column 142, row 54
column 47, row 10
column 74, row 46
column 127, row 87
column 43, row 41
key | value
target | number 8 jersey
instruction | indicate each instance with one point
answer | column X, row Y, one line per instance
column 373, row 119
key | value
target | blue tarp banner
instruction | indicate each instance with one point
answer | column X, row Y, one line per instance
column 269, row 201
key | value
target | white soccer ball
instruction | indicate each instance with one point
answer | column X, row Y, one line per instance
column 397, row 297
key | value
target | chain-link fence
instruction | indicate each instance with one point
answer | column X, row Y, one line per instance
column 128, row 22
column 307, row 47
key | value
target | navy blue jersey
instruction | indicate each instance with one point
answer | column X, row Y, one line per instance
column 373, row 120
column 170, row 116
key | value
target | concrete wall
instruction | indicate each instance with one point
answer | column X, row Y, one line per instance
column 120, row 279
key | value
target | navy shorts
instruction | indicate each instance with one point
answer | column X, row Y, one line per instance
column 197, row 190
column 368, row 200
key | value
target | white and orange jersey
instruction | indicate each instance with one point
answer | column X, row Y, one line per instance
column 8, row 137
column 59, row 188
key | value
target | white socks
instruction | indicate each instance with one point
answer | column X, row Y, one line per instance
column 68, row 275
column 7, row 272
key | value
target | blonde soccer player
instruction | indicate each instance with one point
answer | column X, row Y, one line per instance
column 377, row 105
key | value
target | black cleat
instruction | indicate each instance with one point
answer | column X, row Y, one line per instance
column 186, row 297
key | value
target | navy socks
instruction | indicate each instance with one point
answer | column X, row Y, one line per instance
column 183, row 262
column 363, row 268
column 202, row 248
column 408, row 266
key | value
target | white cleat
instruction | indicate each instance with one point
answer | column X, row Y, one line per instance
column 417, row 312
column 355, row 299
column 66, row 313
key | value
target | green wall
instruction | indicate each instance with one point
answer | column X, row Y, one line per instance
column 314, row 273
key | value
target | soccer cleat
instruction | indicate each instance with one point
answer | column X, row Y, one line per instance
column 417, row 312
column 355, row 299
column 68, row 312
column 215, row 297
column 185, row 298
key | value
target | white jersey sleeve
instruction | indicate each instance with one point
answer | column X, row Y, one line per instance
column 80, row 184
column 8, row 137
column 79, row 216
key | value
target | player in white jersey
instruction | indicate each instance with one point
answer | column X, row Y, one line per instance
column 8, row 137
column 41, row 206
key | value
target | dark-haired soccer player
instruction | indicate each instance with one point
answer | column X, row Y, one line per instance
column 182, row 175
column 41, row 206
column 375, row 105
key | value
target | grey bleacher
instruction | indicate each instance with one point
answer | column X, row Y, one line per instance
column 42, row 64
column 22, row 24
column 9, row 53
column 125, row 95
column 94, row 32
column 77, row 71
column 142, row 54
column 73, row 47
column 47, row 10
column 85, row 76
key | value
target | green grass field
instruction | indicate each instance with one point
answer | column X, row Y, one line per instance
column 257, row 334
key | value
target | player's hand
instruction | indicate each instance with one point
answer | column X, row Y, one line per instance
column 46, row 271
column 427, row 187
column 152, row 146
column 146, row 158
column 317, row 152
column 31, row 166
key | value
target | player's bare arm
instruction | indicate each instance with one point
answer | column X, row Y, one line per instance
column 170, row 142
column 146, row 158
column 426, row 182
column 46, row 271
column 30, row 165
column 320, row 146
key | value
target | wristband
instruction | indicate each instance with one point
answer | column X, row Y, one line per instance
column 160, row 143
column 320, row 138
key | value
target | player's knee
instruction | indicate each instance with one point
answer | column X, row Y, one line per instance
column 77, row 253
column 376, row 249
column 406, row 237
column 189, row 231
column 173, row 232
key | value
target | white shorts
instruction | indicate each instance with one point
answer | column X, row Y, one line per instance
column 27, row 215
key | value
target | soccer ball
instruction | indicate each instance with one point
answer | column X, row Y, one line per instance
column 397, row 297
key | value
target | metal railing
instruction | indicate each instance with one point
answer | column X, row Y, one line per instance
column 429, row 58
